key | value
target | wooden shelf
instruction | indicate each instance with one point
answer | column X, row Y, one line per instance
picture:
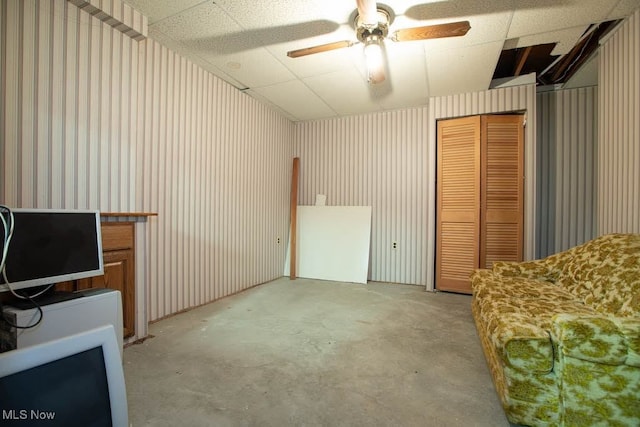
column 128, row 214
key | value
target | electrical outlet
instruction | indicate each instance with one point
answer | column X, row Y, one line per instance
column 277, row 240
column 394, row 245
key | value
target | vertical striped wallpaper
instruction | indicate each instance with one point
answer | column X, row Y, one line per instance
column 619, row 130
column 546, row 172
column 376, row 160
column 510, row 99
column 69, row 85
column 91, row 118
column 215, row 165
column 566, row 169
column 119, row 15
column 387, row 160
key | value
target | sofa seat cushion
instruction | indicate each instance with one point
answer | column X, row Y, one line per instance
column 599, row 339
column 517, row 316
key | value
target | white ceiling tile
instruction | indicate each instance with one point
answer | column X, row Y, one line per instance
column 204, row 24
column 463, row 70
column 489, row 20
column 406, row 82
column 623, row 9
column 296, row 99
column 206, row 30
column 320, row 63
column 265, row 31
column 486, row 28
column 401, row 93
column 254, row 68
column 454, row 10
column 156, row 10
column 340, row 11
column 565, row 39
column 535, row 16
column 253, row 94
column 245, row 42
column 261, row 14
column 345, row 92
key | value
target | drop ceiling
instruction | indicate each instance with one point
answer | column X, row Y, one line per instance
column 245, row 42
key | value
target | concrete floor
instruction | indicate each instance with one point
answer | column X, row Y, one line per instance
column 315, row 353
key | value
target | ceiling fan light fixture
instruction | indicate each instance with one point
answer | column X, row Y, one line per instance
column 374, row 58
column 371, row 23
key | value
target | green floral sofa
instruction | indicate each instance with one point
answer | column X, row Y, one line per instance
column 561, row 335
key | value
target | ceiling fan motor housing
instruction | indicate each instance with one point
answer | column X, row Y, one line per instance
column 380, row 30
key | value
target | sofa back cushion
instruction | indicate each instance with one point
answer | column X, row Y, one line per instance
column 605, row 274
column 577, row 272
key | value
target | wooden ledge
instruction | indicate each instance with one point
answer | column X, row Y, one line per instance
column 127, row 214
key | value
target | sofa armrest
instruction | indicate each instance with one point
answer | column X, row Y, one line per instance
column 598, row 338
column 597, row 363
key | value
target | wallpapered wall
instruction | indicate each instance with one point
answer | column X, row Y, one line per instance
column 94, row 119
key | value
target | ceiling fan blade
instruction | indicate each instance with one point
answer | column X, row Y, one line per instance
column 368, row 11
column 453, row 29
column 320, row 48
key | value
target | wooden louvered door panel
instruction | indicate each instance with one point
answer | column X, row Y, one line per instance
column 502, row 201
column 458, row 203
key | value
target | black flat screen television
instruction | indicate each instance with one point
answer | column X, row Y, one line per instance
column 51, row 246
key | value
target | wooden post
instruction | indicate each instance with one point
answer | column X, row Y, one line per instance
column 294, row 212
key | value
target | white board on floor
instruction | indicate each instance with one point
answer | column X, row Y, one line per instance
column 332, row 243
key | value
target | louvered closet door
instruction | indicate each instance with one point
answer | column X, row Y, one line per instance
column 502, row 201
column 458, row 203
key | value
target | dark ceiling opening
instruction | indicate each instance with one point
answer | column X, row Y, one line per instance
column 551, row 69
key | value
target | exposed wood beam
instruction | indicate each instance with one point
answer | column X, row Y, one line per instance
column 572, row 61
column 568, row 60
column 521, row 60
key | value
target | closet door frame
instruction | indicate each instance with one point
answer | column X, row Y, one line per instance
column 444, row 276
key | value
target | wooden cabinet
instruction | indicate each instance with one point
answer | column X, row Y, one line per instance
column 479, row 196
column 118, row 274
column 118, row 248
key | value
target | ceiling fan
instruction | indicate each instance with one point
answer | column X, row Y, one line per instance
column 372, row 27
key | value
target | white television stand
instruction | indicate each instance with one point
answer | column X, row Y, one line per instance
column 97, row 308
